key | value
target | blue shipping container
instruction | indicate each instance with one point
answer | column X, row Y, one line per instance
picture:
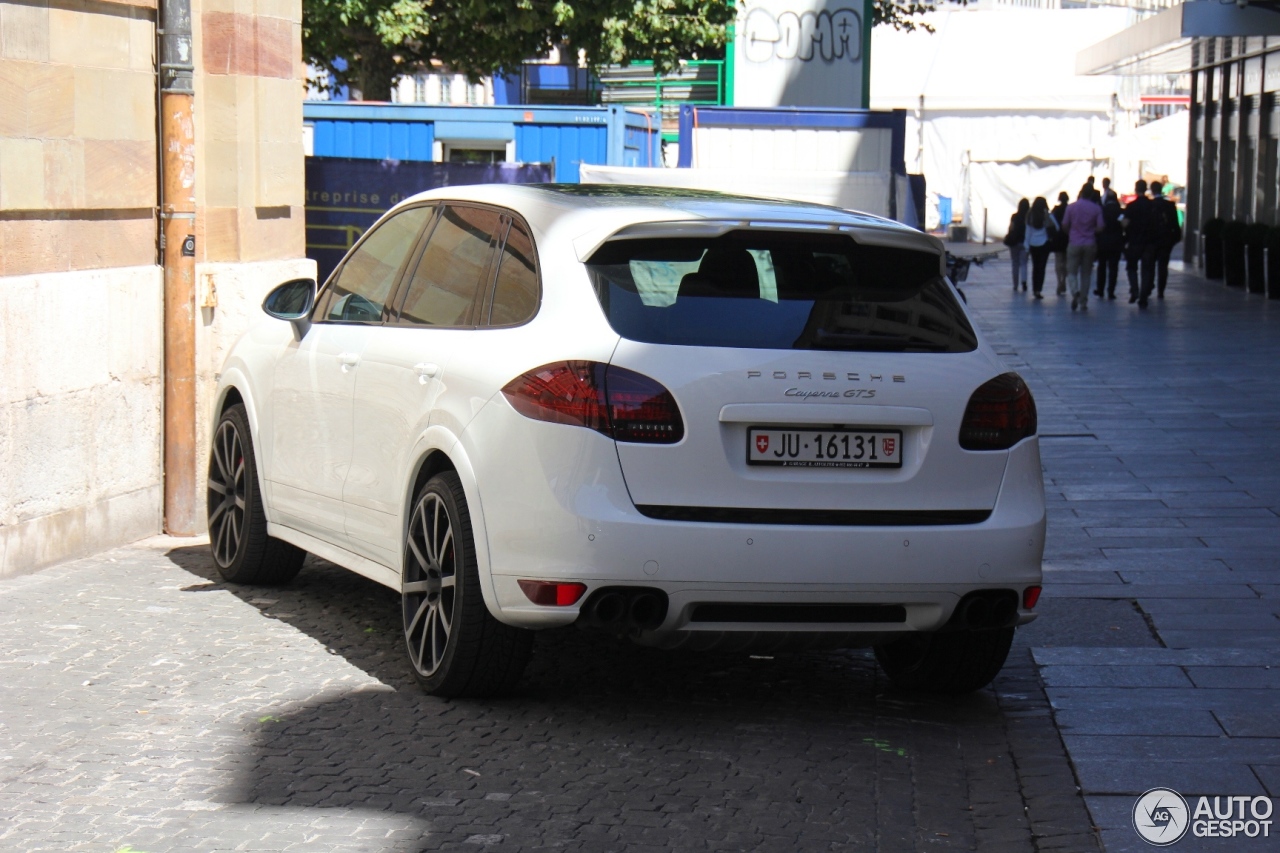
column 563, row 136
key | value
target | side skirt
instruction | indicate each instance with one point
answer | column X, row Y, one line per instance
column 360, row 565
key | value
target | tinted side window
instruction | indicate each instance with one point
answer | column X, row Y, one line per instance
column 453, row 268
column 364, row 283
column 515, row 296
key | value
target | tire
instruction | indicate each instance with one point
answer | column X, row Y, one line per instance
column 242, row 550
column 951, row 663
column 456, row 647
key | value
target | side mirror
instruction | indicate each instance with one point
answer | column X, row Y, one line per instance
column 292, row 301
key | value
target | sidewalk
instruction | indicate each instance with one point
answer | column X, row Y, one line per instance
column 1159, row 432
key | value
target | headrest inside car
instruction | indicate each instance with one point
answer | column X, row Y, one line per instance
column 724, row 271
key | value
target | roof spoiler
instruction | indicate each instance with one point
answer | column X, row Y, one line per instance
column 867, row 234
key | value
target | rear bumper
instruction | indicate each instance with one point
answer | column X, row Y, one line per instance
column 578, row 524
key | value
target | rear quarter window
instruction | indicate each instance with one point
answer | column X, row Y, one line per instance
column 779, row 290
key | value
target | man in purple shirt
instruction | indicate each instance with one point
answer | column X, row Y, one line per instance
column 1082, row 222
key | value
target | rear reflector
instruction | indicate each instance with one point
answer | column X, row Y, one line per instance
column 552, row 593
column 999, row 415
column 613, row 401
column 1030, row 596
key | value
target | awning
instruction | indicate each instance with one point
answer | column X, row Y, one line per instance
column 1161, row 44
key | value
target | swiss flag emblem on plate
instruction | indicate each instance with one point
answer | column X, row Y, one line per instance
column 888, row 444
column 762, row 443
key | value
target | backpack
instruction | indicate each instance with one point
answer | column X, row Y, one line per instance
column 1017, row 231
column 1058, row 241
column 1167, row 227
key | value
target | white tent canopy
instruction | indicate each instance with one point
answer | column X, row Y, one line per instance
column 995, row 110
column 1003, row 59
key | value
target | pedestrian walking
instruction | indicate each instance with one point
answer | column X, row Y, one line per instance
column 1041, row 231
column 1082, row 222
column 1108, row 194
column 1110, row 245
column 1167, row 233
column 1140, row 247
column 1015, row 239
column 1059, row 244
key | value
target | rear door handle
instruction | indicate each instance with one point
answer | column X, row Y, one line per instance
column 426, row 370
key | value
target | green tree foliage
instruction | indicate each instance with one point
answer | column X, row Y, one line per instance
column 367, row 44
column 902, row 14
column 382, row 39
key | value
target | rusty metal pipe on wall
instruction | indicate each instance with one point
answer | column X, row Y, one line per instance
column 177, row 246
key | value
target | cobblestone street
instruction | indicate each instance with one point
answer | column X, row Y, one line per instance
column 147, row 707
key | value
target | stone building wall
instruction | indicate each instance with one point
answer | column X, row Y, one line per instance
column 81, row 294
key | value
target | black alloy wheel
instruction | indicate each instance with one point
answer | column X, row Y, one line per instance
column 429, row 584
column 456, row 646
column 242, row 550
column 227, row 499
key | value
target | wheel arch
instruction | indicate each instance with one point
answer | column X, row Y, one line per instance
column 231, row 396
column 233, row 389
column 438, row 451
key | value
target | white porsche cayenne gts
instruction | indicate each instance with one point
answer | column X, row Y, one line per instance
column 693, row 419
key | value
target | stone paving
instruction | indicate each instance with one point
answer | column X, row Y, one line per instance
column 146, row 707
column 1159, row 439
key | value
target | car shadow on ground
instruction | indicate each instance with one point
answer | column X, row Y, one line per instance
column 606, row 743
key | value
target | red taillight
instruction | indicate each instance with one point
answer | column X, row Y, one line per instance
column 641, row 409
column 610, row 400
column 570, row 392
column 999, row 415
column 552, row 593
column 1030, row 596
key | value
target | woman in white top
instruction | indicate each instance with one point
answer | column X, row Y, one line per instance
column 1040, row 233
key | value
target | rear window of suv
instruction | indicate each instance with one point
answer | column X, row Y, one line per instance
column 778, row 290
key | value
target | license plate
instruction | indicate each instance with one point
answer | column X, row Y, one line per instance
column 824, row 448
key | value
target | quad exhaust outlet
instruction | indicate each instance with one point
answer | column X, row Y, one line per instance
column 987, row 609
column 624, row 610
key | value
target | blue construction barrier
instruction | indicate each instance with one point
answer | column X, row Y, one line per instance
column 564, row 137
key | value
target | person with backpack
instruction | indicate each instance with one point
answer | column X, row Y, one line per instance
column 1110, row 245
column 1058, row 246
column 1041, row 230
column 1167, row 233
column 1015, row 239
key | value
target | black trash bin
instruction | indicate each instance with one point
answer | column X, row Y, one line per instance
column 1233, row 263
column 1273, row 262
column 1255, row 239
column 1211, row 237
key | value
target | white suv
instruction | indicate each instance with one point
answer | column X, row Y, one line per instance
column 689, row 418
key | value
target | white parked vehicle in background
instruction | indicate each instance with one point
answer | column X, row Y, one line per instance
column 684, row 417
